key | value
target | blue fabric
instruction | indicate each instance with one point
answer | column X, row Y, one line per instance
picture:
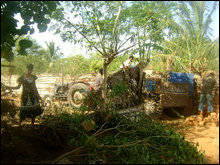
column 179, row 77
column 150, row 85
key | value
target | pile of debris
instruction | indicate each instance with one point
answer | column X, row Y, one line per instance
column 127, row 97
column 122, row 91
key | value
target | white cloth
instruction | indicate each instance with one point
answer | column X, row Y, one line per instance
column 127, row 63
column 98, row 81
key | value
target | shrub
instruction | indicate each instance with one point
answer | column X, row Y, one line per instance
column 146, row 142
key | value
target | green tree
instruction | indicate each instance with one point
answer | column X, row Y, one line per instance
column 193, row 47
column 99, row 27
column 213, row 58
column 31, row 12
column 20, row 63
column 35, row 49
column 105, row 27
column 96, row 62
column 52, row 53
column 73, row 66
column 150, row 23
column 35, row 55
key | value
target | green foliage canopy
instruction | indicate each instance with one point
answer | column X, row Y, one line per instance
column 31, row 12
column 192, row 45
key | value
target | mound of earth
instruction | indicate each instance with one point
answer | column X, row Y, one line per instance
column 204, row 133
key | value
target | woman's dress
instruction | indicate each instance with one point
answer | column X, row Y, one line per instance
column 30, row 106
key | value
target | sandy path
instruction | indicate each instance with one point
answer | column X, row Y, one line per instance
column 208, row 139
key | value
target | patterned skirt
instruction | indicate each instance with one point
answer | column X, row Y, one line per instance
column 30, row 109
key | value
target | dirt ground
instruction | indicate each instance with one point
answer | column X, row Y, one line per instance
column 208, row 139
column 205, row 133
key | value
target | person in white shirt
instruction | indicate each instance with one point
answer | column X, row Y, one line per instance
column 128, row 63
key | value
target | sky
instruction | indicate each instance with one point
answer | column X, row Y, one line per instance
column 70, row 49
column 215, row 23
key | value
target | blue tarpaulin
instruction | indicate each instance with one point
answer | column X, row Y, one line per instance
column 150, row 85
column 178, row 77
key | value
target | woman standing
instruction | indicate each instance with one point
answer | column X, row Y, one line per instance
column 30, row 106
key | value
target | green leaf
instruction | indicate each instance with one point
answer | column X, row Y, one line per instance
column 45, row 10
column 27, row 10
column 38, row 18
column 13, row 6
column 10, row 40
column 26, row 16
column 42, row 27
column 47, row 21
column 25, row 29
column 32, row 31
column 22, row 52
column 6, row 52
column 51, row 6
column 24, row 44
column 10, row 56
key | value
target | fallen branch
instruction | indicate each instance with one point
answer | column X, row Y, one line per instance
column 133, row 143
column 79, row 148
column 66, row 154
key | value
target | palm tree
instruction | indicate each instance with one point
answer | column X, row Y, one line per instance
column 196, row 16
column 194, row 46
column 52, row 52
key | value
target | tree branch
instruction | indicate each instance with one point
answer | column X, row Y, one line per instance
column 114, row 36
column 133, row 142
column 125, row 49
column 124, row 43
column 98, row 30
column 82, row 35
column 66, row 154
column 130, row 37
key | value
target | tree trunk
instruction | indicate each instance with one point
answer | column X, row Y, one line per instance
column 126, row 80
column 141, row 68
column 10, row 73
column 104, row 88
